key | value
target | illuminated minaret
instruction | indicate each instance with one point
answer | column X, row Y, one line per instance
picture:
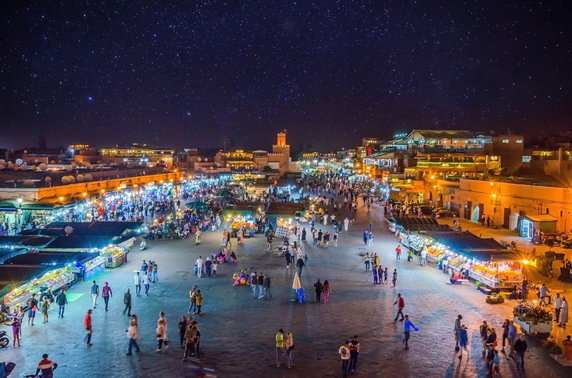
column 281, row 147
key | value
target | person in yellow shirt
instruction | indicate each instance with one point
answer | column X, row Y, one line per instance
column 279, row 346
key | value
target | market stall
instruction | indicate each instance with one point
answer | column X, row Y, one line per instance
column 22, row 282
column 114, row 256
column 467, row 255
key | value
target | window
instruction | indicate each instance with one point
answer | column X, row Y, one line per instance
column 547, row 211
column 526, row 159
column 505, row 140
column 519, row 141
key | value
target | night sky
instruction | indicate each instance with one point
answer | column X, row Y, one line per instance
column 197, row 73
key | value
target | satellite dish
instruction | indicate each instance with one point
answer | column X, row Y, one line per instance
column 19, row 161
column 68, row 230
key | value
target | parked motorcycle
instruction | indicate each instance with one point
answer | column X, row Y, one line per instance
column 4, row 340
column 143, row 245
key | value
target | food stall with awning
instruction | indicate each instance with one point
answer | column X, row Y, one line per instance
column 19, row 282
column 481, row 259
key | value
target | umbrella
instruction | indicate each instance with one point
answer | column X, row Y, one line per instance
column 296, row 284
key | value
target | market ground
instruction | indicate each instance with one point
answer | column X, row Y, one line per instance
column 238, row 331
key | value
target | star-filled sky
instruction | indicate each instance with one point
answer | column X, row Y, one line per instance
column 200, row 73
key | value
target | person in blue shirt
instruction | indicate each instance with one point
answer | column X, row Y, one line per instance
column 407, row 327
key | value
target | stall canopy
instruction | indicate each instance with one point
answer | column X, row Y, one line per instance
column 78, row 243
column 25, row 241
column 464, row 242
column 51, row 258
column 419, row 224
column 91, row 228
column 7, row 253
column 13, row 274
column 285, row 209
column 7, row 206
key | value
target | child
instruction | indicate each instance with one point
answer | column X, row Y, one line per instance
column 214, row 266
column 496, row 363
column 16, row 331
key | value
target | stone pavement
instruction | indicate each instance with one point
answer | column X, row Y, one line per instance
column 238, row 331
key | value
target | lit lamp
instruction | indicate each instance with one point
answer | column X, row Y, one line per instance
column 61, row 199
column 84, row 194
column 19, row 200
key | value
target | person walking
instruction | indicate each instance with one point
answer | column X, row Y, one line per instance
column 520, row 347
column 193, row 300
column 289, row 345
column 94, row 290
column 512, row 334
column 260, row 283
column 32, row 305
column 199, row 266
column 557, row 307
column 398, row 253
column 505, row 334
column 279, row 346
column 484, row 333
column 394, row 278
column 146, row 283
column 127, row 302
column 199, row 300
column 300, row 264
column 456, row 331
column 182, row 330
column 385, row 276
column 563, row 313
column 44, row 307
column 319, row 288
column 137, row 281
column 88, row 328
column 155, row 273
column 344, row 352
column 326, row 290
column 161, row 335
column 46, row 366
column 354, row 354
column 400, row 306
column 253, row 283
column 366, row 261
column 106, row 293
column 376, row 278
column 62, row 301
column 407, row 327
column 266, row 285
column 133, row 335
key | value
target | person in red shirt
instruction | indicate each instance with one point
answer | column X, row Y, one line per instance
column 400, row 305
column 46, row 366
column 87, row 326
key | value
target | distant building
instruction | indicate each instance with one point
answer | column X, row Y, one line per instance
column 84, row 153
column 510, row 148
column 277, row 162
column 138, row 154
